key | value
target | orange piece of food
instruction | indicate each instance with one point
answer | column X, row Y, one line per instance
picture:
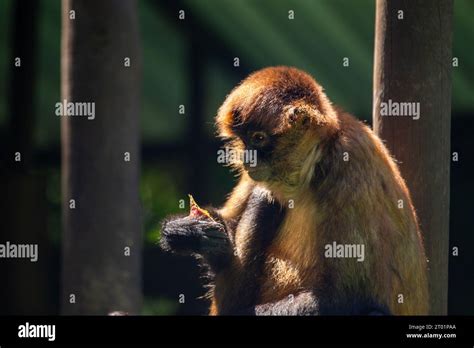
column 196, row 211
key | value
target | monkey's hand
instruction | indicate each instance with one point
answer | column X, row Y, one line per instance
column 198, row 236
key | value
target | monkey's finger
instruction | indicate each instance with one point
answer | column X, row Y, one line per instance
column 213, row 233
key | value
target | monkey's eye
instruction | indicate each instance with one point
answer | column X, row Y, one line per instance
column 259, row 138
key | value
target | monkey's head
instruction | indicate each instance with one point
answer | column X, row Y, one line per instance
column 282, row 115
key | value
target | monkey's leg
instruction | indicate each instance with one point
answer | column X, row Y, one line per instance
column 350, row 304
column 304, row 303
column 307, row 303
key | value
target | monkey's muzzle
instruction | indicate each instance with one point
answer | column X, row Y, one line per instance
column 260, row 172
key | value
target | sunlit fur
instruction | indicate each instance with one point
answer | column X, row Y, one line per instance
column 354, row 201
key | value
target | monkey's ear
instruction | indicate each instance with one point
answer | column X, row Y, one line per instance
column 299, row 116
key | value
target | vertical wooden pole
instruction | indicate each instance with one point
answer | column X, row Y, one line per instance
column 102, row 226
column 412, row 63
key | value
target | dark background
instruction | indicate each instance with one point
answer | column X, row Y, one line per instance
column 191, row 63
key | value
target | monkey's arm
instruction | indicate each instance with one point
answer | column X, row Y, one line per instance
column 212, row 240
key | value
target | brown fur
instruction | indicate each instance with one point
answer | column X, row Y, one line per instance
column 353, row 201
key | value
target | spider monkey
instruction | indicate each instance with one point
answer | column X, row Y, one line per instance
column 321, row 177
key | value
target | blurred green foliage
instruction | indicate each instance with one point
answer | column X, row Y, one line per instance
column 159, row 196
column 158, row 306
column 260, row 34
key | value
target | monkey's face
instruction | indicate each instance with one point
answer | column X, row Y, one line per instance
column 276, row 118
column 276, row 152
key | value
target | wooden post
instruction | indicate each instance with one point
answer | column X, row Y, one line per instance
column 412, row 63
column 101, row 64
